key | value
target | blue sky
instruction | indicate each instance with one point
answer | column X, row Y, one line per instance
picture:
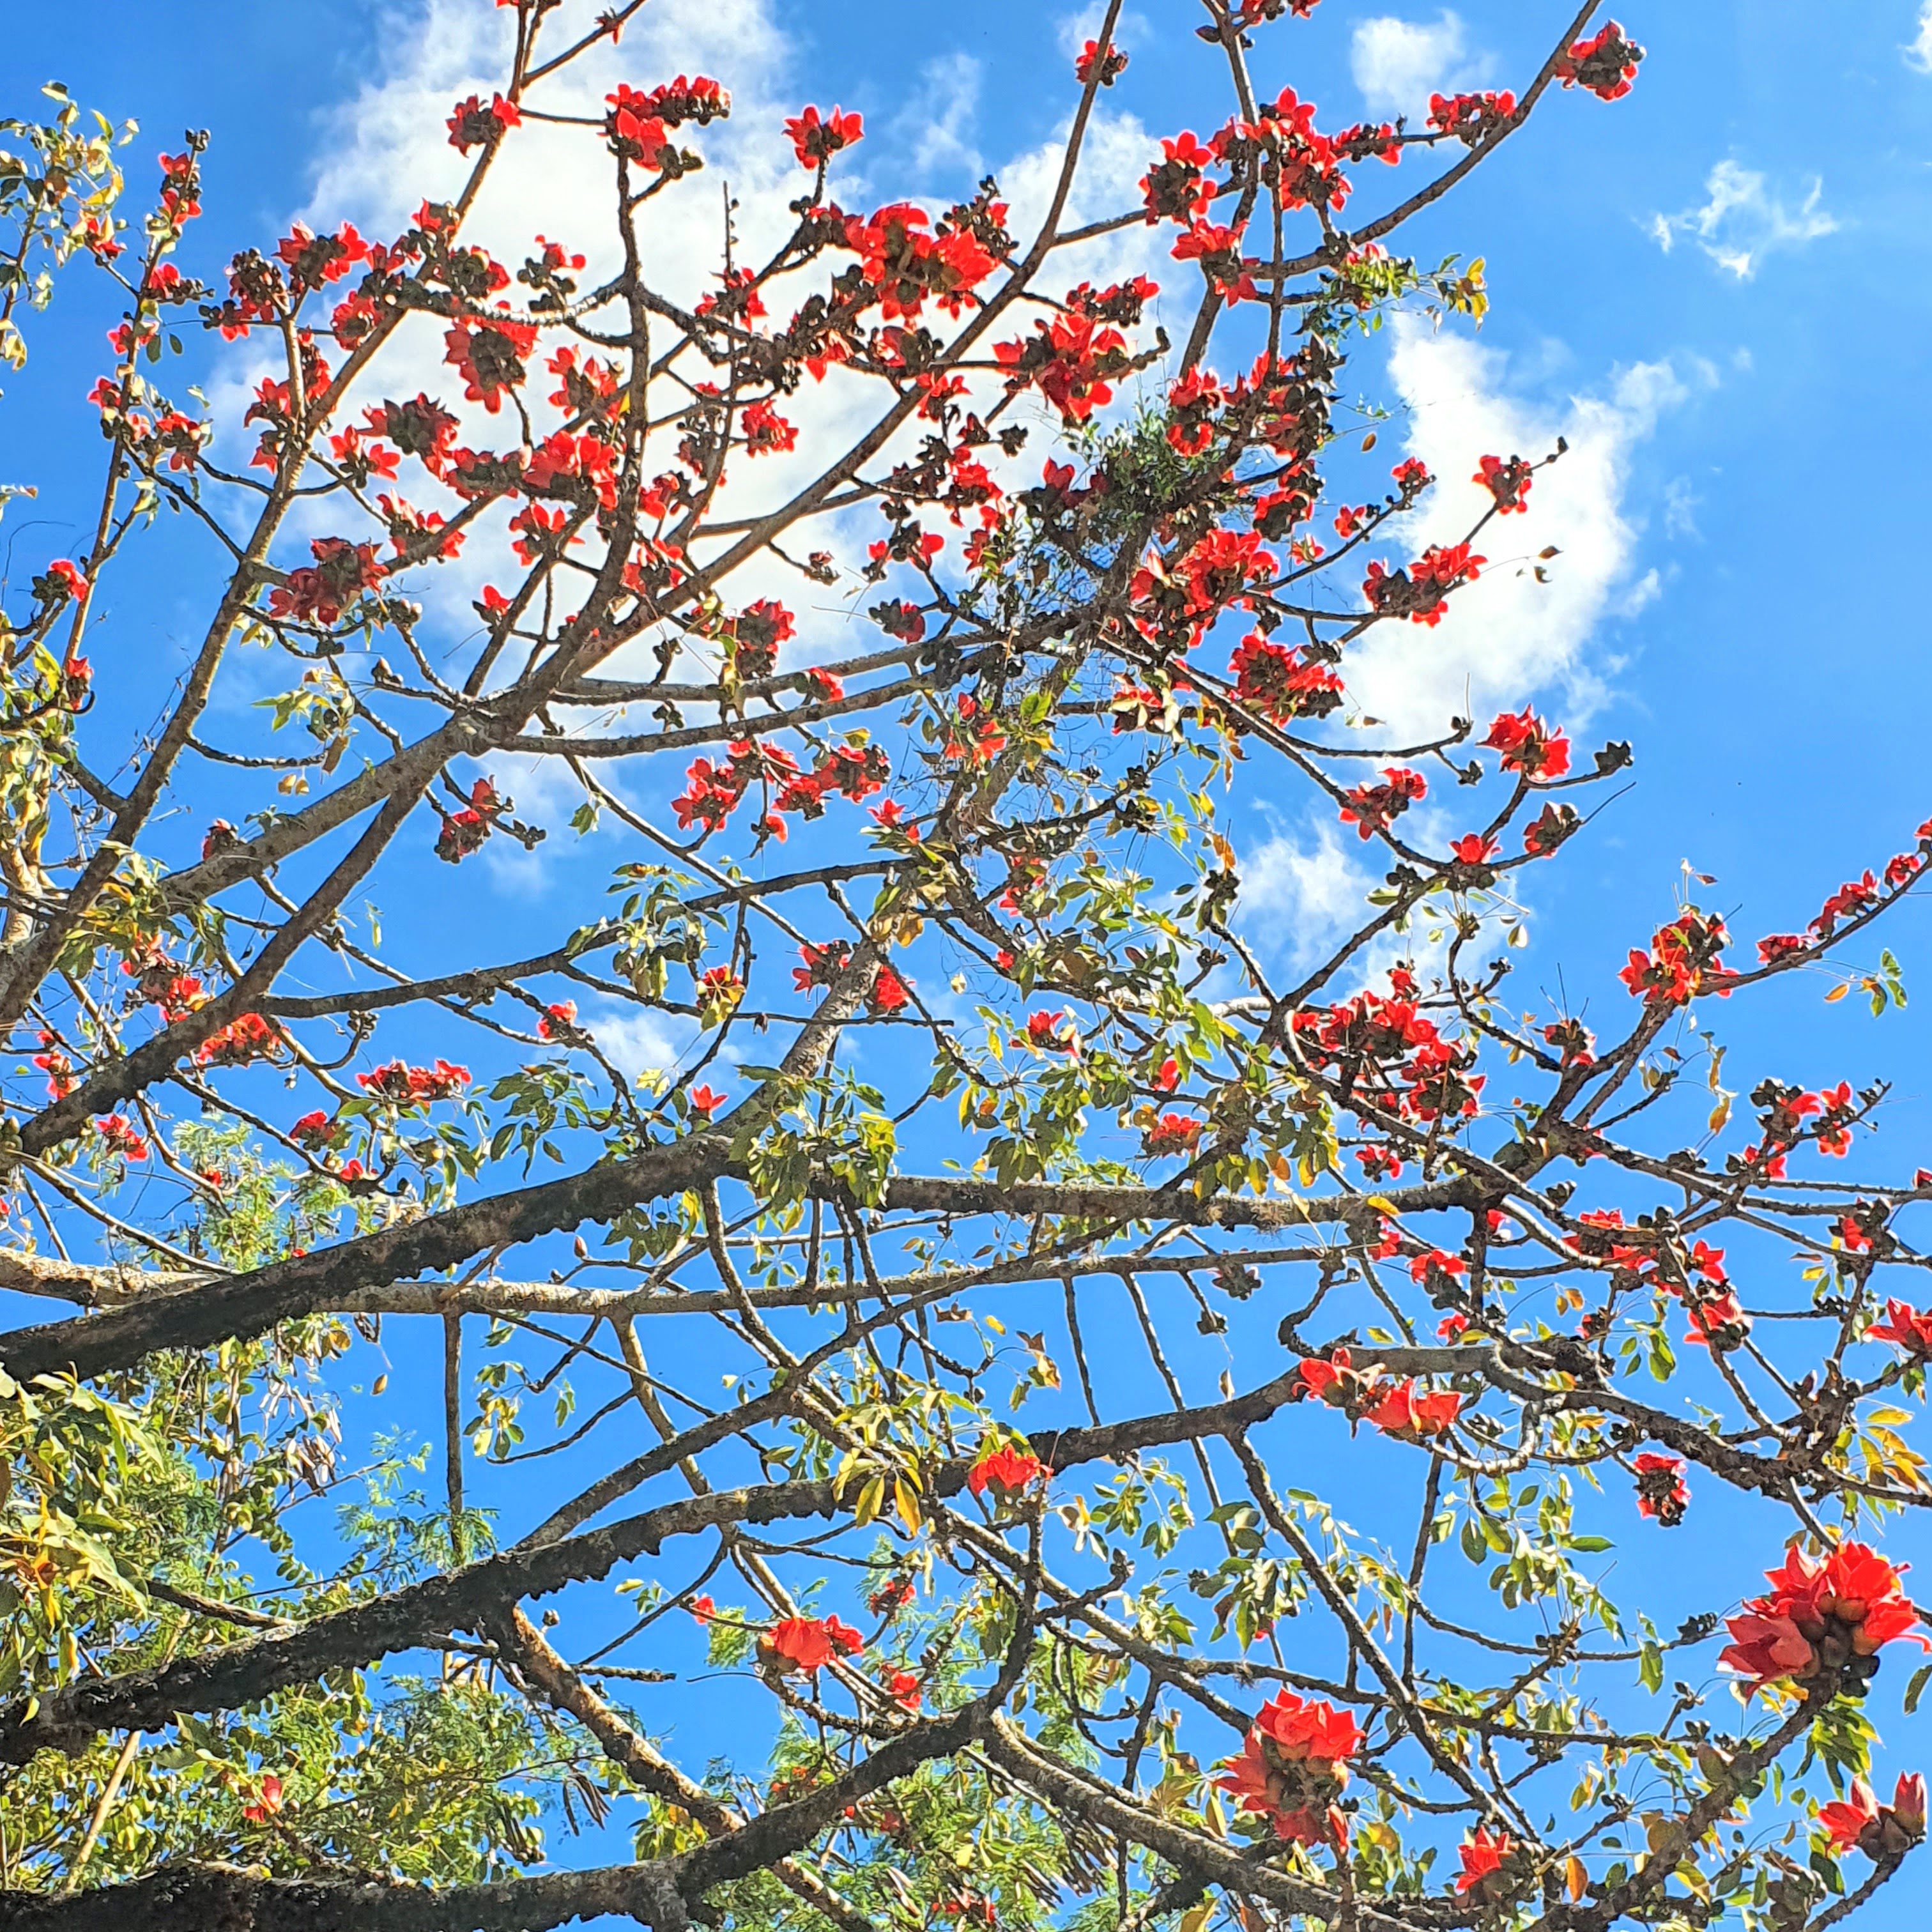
column 1717, row 289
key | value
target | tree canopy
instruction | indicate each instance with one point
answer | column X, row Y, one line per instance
column 1056, row 1422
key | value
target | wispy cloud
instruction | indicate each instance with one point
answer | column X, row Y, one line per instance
column 1300, row 898
column 936, row 125
column 1919, row 53
column 1398, row 63
column 1741, row 221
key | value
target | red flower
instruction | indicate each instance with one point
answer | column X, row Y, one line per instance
column 1172, row 1133
column 889, row 994
column 1112, row 66
column 1828, row 1617
column 490, row 354
column 1403, row 1413
column 408, row 1086
column 1529, row 746
column 1508, row 482
column 1293, row 1766
column 1905, row 1325
column 1370, row 808
column 249, row 1038
column 1661, row 1490
column 119, row 1135
column 807, row 1643
column 267, row 1800
column 1474, row 848
column 1420, row 592
column 1007, row 1469
column 1683, row 962
column 702, row 1609
column 891, row 1596
column 61, row 580
column 1280, row 684
column 765, row 431
column 815, row 141
column 1883, row 1832
column 473, row 125
column 1482, row 1856
column 1471, row 118
column 903, row 1688
column 704, row 1102
column 1606, row 64
column 1845, row 1822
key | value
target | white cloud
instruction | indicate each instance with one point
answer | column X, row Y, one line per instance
column 1507, row 637
column 1742, row 221
column 1680, row 504
column 1300, row 900
column 1919, row 53
column 637, row 1042
column 935, row 126
column 1398, row 63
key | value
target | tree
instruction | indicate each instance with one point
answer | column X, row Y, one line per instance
column 969, row 1026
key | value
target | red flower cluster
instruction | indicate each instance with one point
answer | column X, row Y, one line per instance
column 1508, row 482
column 1473, row 118
column 1373, row 809
column 905, row 264
column 489, row 353
column 1280, row 683
column 1111, row 65
column 1606, row 63
column 815, row 141
column 60, row 581
column 1885, row 1833
column 891, row 1597
column 1825, row 1621
column 1420, row 592
column 1399, row 1055
column 119, row 1136
column 1661, row 1490
column 1529, row 746
column 700, row 100
column 1172, row 1133
column 823, row 964
column 1007, row 1470
column 756, row 634
column 712, row 791
column 1396, row 1408
column 314, row 260
column 473, row 125
column 55, row 1065
column 807, row 1644
column 1683, row 962
column 765, row 431
column 1549, row 829
column 341, row 572
column 248, row 1039
column 1072, row 360
column 1293, row 1766
column 1410, row 1416
column 464, row 832
column 406, row 1086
